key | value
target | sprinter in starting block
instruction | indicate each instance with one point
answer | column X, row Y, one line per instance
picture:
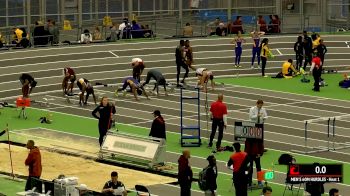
column 135, row 86
column 204, row 75
column 28, row 83
column 159, row 78
column 85, row 86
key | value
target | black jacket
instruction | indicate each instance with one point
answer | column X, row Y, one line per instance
column 104, row 114
column 158, row 128
column 212, row 174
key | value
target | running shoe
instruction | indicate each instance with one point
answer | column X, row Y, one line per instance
column 265, row 76
column 252, row 67
column 124, row 93
column 116, row 93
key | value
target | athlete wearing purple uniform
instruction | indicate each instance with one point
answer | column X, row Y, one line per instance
column 135, row 86
column 256, row 49
column 238, row 48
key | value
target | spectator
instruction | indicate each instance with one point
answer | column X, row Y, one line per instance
column 211, row 175
column 2, row 40
column 237, row 26
column 185, row 173
column 299, row 52
column 254, row 147
column 276, row 23
column 17, row 36
column 55, row 32
column 334, row 192
column 219, row 116
column 124, row 29
column 270, row 26
column 136, row 30
column 316, row 70
column 158, row 126
column 288, row 68
column 96, row 36
column 105, row 111
column 213, row 25
column 267, row 191
column 262, row 24
column 237, row 163
column 114, row 187
column 114, row 33
column 307, row 49
column 86, row 37
column 221, row 30
column 265, row 52
column 40, row 35
column 321, row 51
column 188, row 30
column 33, row 161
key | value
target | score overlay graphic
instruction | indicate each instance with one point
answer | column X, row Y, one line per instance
column 315, row 173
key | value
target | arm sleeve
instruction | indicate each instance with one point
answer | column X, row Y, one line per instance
column 29, row 159
column 252, row 114
column 230, row 162
column 2, row 133
column 95, row 111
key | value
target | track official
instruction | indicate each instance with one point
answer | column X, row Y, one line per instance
column 33, row 161
column 316, row 70
column 105, row 111
column 219, row 117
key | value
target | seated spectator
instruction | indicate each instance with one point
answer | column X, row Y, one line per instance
column 275, row 24
column 114, row 33
column 188, row 30
column 147, row 31
column 267, row 191
column 54, row 31
column 114, row 187
column 17, row 36
column 2, row 40
column 237, row 26
column 288, row 68
column 213, row 25
column 97, row 34
column 40, row 34
column 334, row 192
column 221, row 30
column 136, row 30
column 124, row 29
column 86, row 37
column 262, row 24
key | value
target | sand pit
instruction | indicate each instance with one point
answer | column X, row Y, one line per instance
column 89, row 172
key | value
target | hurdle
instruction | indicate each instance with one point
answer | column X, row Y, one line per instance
column 331, row 136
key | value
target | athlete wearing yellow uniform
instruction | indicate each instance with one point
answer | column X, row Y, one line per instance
column 265, row 52
column 288, row 68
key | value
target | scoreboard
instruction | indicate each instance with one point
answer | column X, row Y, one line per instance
column 244, row 130
column 315, row 173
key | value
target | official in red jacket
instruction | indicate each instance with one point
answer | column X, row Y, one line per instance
column 33, row 161
column 185, row 173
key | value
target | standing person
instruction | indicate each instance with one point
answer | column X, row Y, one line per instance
column 219, row 116
column 256, row 47
column 105, row 116
column 211, row 175
column 33, row 161
column 262, row 24
column 254, row 147
column 316, row 70
column 185, row 173
column 238, row 48
column 307, row 49
column 158, row 77
column 112, row 185
column 158, row 126
column 265, row 52
column 334, row 192
column 321, row 51
column 138, row 66
column 189, row 55
column 28, row 83
column 180, row 62
column 237, row 25
column 69, row 75
column 85, row 86
column 299, row 52
column 236, row 161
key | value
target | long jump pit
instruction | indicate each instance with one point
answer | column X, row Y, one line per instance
column 73, row 156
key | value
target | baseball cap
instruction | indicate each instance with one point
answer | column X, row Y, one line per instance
column 156, row 112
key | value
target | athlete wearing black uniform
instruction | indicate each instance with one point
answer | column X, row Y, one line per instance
column 158, row 77
column 180, row 62
column 105, row 111
column 28, row 83
column 321, row 51
column 307, row 49
column 85, row 86
column 299, row 52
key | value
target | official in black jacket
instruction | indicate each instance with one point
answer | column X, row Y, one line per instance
column 211, row 175
column 105, row 111
column 158, row 126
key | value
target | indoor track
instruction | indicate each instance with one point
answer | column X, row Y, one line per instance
column 110, row 63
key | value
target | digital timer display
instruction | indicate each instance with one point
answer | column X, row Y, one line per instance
column 315, row 173
column 244, row 130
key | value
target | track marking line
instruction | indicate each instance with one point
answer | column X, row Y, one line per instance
column 279, row 51
column 114, row 54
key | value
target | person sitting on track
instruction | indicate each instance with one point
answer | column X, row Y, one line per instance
column 85, row 86
column 69, row 75
column 135, row 86
column 28, row 83
column 158, row 77
column 204, row 75
column 288, row 68
column 137, row 68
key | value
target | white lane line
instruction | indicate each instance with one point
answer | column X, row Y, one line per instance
column 279, row 51
column 114, row 54
column 347, row 44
